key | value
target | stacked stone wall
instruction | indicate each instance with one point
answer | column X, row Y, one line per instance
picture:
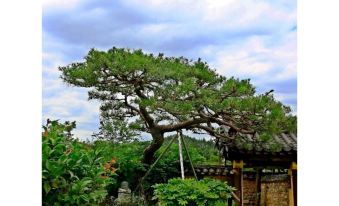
column 249, row 191
column 274, row 190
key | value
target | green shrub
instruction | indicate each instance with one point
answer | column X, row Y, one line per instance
column 128, row 161
column 129, row 166
column 72, row 172
column 191, row 192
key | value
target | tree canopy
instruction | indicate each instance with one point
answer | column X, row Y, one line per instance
column 158, row 94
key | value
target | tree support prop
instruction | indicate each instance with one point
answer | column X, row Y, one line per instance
column 189, row 157
column 153, row 165
column 180, row 157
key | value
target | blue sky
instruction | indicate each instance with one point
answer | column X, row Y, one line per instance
column 246, row 39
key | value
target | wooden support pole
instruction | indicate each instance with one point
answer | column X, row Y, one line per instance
column 235, row 197
column 180, row 158
column 153, row 165
column 238, row 180
column 189, row 157
column 258, row 187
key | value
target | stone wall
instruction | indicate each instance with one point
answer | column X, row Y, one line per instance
column 249, row 191
column 274, row 190
column 275, row 193
column 274, row 187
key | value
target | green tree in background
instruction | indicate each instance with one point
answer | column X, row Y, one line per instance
column 115, row 131
column 158, row 94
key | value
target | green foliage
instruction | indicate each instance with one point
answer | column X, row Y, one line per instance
column 192, row 192
column 201, row 152
column 157, row 94
column 116, row 131
column 129, row 166
column 72, row 172
column 77, row 173
column 128, row 160
column 202, row 148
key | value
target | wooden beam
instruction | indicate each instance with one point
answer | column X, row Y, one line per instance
column 264, row 158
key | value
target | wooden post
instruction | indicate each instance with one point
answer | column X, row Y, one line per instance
column 294, row 173
column 238, row 180
column 293, row 190
column 181, row 159
column 258, row 186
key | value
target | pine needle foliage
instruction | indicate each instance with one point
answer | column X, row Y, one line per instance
column 158, row 94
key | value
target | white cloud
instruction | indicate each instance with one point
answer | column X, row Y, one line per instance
column 256, row 58
column 54, row 61
column 212, row 25
column 50, row 84
column 82, row 134
column 69, row 104
column 62, row 4
column 284, row 96
column 229, row 13
column 241, row 63
column 63, row 102
column 288, row 72
column 155, row 28
column 232, row 12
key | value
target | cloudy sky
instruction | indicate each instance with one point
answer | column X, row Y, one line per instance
column 247, row 39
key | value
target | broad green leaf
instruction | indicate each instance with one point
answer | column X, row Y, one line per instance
column 47, row 187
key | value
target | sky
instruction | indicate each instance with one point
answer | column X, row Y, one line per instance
column 254, row 39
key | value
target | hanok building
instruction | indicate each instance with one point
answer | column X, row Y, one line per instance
column 263, row 172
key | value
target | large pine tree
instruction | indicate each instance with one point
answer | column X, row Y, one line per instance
column 158, row 94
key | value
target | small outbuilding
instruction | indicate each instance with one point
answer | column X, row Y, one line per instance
column 264, row 172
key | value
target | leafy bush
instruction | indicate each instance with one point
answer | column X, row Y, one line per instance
column 130, row 168
column 191, row 192
column 72, row 172
column 128, row 160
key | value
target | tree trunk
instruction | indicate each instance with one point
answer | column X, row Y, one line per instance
column 158, row 139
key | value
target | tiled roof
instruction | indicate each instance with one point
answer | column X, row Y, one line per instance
column 277, row 145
